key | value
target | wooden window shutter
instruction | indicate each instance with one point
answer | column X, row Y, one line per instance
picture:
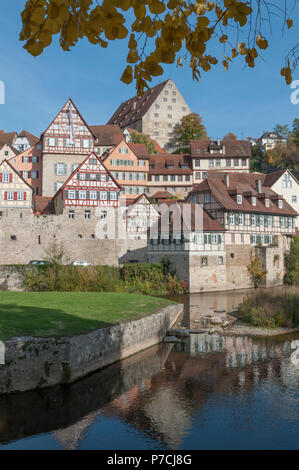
column 29, row 174
column 65, row 169
column 55, row 168
column 24, row 195
column 5, row 195
column 30, row 159
column 0, row 177
column 10, row 177
column 15, row 196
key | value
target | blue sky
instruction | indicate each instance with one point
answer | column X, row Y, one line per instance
column 244, row 101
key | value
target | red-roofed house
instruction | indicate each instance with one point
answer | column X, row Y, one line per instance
column 91, row 185
column 29, row 165
column 171, row 173
column 129, row 164
column 221, row 155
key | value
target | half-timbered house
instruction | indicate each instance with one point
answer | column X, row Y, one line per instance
column 90, row 186
column 65, row 144
column 141, row 214
column 15, row 192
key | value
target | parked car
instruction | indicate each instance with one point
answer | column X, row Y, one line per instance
column 81, row 263
column 38, row 262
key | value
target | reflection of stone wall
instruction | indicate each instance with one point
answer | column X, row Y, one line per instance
column 43, row 362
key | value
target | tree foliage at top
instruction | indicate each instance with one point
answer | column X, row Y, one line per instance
column 139, row 138
column 190, row 127
column 161, row 32
column 230, row 136
column 282, row 156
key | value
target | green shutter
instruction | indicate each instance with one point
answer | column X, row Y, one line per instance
column 78, row 175
column 219, row 239
column 66, row 194
column 209, row 239
column 258, row 220
column 77, row 194
column 87, row 176
column 87, row 194
column 206, row 239
column 98, row 195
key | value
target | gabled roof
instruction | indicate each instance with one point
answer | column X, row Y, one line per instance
column 71, row 101
column 17, row 173
column 159, row 164
column 244, row 184
column 107, row 134
column 130, row 203
column 271, row 178
column 135, row 108
column 140, row 150
column 32, row 139
column 267, row 135
column 12, row 148
column 7, row 138
column 233, row 148
column 94, row 155
column 162, row 195
column 198, row 216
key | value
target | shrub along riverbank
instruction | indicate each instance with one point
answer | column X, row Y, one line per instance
column 143, row 278
column 271, row 310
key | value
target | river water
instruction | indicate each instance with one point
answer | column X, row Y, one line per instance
column 208, row 392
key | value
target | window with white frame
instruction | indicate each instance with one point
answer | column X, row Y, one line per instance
column 123, row 150
column 93, row 195
column 220, row 259
column 267, row 202
column 20, row 196
column 218, row 163
column 211, row 163
column 10, row 195
column 113, row 196
column 214, row 239
column 103, row 195
column 103, row 177
column 60, row 169
column 239, row 198
column 86, row 143
column 52, row 141
column 294, row 199
column 5, row 177
column 71, row 214
column 253, row 200
column 241, row 218
column 280, row 203
column 87, row 215
column 204, row 261
column 71, row 194
column 82, row 194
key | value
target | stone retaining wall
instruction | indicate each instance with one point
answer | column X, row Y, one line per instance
column 34, row 363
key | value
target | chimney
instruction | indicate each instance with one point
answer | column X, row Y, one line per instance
column 226, row 180
column 134, row 105
column 258, row 186
column 218, row 141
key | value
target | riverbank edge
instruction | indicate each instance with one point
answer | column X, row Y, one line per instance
column 240, row 329
column 35, row 363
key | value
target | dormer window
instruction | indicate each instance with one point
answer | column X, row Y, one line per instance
column 253, row 200
column 267, row 202
column 207, row 198
column 239, row 198
column 280, row 203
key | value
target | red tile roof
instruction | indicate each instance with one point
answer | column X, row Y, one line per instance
column 107, row 134
column 233, row 148
column 190, row 217
column 7, row 138
column 162, row 195
column 140, row 150
column 32, row 139
column 271, row 178
column 159, row 164
column 158, row 147
column 135, row 108
column 240, row 183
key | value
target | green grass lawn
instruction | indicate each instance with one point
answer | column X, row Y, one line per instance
column 67, row 313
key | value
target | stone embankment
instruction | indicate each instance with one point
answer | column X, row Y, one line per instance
column 34, row 363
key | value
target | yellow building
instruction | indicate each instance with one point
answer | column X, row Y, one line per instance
column 14, row 191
